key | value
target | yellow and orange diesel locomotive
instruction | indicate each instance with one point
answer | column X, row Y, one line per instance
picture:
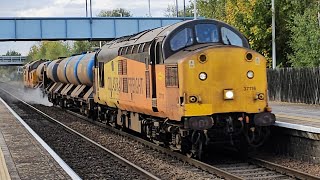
column 184, row 85
column 32, row 73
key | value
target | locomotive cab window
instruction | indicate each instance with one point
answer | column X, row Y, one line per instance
column 230, row 38
column 182, row 39
column 206, row 33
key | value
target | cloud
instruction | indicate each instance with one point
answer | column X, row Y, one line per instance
column 73, row 8
column 45, row 8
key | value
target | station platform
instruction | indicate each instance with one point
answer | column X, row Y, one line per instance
column 23, row 155
column 301, row 117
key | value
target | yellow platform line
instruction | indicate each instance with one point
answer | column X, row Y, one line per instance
column 4, row 173
column 310, row 119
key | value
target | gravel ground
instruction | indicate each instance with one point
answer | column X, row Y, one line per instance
column 153, row 161
column 87, row 160
column 309, row 168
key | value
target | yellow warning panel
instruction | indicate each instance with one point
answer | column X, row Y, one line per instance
column 4, row 173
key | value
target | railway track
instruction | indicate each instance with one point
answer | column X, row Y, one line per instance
column 130, row 170
column 252, row 169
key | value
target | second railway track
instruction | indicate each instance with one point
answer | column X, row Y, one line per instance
column 167, row 164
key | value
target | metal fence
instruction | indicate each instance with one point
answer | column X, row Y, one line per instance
column 296, row 85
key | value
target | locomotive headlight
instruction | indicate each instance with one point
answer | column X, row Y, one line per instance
column 250, row 74
column 203, row 76
column 228, row 94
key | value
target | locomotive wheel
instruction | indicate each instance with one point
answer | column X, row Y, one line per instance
column 257, row 136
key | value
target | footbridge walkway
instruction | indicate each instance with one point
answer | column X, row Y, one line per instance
column 77, row 28
column 12, row 60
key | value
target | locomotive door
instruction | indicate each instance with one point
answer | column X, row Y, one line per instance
column 154, row 60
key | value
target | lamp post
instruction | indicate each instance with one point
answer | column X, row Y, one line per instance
column 149, row 8
column 184, row 9
column 177, row 9
column 274, row 60
column 90, row 9
column 86, row 8
column 195, row 9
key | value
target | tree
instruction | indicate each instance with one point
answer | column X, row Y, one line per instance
column 305, row 39
column 81, row 46
column 286, row 10
column 171, row 11
column 250, row 17
column 120, row 12
column 49, row 50
column 214, row 9
column 12, row 53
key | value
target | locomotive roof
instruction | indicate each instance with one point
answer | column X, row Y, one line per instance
column 110, row 50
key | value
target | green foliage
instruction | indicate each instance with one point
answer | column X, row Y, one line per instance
column 286, row 10
column 253, row 19
column 120, row 12
column 49, row 50
column 305, row 40
column 214, row 9
column 12, row 53
column 81, row 46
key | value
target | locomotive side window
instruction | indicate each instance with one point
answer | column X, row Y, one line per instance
column 207, row 33
column 182, row 39
column 230, row 38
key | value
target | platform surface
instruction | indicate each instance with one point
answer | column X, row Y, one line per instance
column 21, row 155
column 305, row 116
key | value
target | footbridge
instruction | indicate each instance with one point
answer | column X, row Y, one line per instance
column 77, row 28
column 12, row 60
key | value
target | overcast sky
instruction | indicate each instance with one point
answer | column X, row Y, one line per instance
column 73, row 8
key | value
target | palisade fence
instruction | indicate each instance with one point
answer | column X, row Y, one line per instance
column 296, row 85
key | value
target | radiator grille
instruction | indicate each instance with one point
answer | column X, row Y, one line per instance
column 122, row 67
column 172, row 76
column 125, row 85
column 147, row 84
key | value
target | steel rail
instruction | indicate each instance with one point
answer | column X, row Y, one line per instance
column 206, row 167
column 138, row 169
column 282, row 169
column 201, row 165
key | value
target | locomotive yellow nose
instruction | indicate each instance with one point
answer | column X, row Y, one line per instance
column 228, row 79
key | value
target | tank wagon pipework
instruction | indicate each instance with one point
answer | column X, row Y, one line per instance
column 183, row 86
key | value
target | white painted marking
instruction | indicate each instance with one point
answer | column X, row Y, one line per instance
column 298, row 127
column 64, row 166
